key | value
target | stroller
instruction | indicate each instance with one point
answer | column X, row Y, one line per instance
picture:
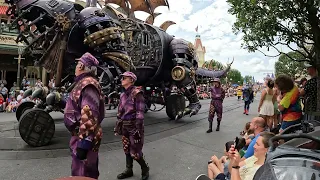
column 298, row 158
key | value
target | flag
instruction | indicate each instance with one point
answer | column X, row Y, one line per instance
column 272, row 76
column 196, row 29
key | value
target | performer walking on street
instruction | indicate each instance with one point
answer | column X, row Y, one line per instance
column 248, row 98
column 217, row 96
column 130, row 125
column 82, row 116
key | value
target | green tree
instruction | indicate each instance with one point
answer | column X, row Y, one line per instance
column 268, row 23
column 234, row 76
column 216, row 65
column 248, row 79
column 285, row 65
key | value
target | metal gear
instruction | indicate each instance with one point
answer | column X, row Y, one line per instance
column 63, row 21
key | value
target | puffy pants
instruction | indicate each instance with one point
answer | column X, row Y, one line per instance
column 129, row 147
column 85, row 168
column 215, row 107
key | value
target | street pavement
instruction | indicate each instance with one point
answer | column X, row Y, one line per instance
column 175, row 150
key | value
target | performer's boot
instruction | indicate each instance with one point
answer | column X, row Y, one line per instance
column 218, row 125
column 210, row 127
column 144, row 168
column 128, row 171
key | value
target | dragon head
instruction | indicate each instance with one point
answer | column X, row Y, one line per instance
column 42, row 23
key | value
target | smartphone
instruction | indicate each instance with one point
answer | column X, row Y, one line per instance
column 236, row 142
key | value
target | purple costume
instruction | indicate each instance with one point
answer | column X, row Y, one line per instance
column 131, row 112
column 130, row 125
column 83, row 114
column 217, row 97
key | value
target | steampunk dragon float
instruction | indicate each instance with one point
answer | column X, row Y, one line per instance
column 63, row 31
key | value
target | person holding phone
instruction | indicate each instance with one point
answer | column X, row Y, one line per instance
column 245, row 170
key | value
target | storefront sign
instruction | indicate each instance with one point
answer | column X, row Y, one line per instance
column 8, row 40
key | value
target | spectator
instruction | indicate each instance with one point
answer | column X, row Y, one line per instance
column 91, row 3
column 310, row 89
column 13, row 104
column 288, row 102
column 303, row 82
column 13, row 89
column 2, row 103
column 20, row 96
column 257, row 125
column 51, row 83
column 4, row 91
column 266, row 107
column 245, row 170
column 219, row 167
column 38, row 84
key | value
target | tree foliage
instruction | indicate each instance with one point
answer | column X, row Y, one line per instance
column 248, row 79
column 285, row 65
column 268, row 23
column 234, row 76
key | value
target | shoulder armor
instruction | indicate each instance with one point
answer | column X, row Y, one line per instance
column 76, row 92
column 136, row 91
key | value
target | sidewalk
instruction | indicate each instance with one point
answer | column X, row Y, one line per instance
column 181, row 156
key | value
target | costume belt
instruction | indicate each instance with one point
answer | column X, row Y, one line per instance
column 216, row 99
column 128, row 122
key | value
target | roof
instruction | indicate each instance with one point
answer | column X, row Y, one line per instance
column 198, row 43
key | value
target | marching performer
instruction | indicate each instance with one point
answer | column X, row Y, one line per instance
column 83, row 114
column 217, row 96
column 248, row 98
column 130, row 125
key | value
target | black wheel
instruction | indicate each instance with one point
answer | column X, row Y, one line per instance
column 23, row 107
column 36, row 127
column 175, row 103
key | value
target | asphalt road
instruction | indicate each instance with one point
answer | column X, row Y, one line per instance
column 173, row 149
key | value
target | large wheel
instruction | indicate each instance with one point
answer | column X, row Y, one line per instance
column 175, row 103
column 36, row 127
column 23, row 107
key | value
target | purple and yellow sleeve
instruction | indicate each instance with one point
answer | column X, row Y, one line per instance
column 140, row 107
column 223, row 95
column 90, row 100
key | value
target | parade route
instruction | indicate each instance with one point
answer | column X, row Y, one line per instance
column 174, row 149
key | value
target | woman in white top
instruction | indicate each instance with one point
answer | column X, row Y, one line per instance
column 245, row 170
column 266, row 105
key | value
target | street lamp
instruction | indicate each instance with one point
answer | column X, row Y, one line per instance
column 20, row 51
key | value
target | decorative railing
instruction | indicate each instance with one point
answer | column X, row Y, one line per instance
column 4, row 29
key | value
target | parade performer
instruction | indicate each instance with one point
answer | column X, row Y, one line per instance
column 217, row 96
column 130, row 125
column 82, row 116
column 248, row 98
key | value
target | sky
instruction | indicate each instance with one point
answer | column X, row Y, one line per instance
column 215, row 28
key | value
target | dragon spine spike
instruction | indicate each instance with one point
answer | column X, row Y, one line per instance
column 147, row 6
column 166, row 24
column 150, row 18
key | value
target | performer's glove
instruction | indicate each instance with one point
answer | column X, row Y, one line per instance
column 82, row 153
column 137, row 137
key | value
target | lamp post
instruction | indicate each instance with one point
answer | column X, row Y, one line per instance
column 20, row 51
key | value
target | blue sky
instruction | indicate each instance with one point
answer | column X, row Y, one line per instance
column 215, row 28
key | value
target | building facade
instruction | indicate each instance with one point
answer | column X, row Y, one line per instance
column 200, row 50
column 13, row 67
